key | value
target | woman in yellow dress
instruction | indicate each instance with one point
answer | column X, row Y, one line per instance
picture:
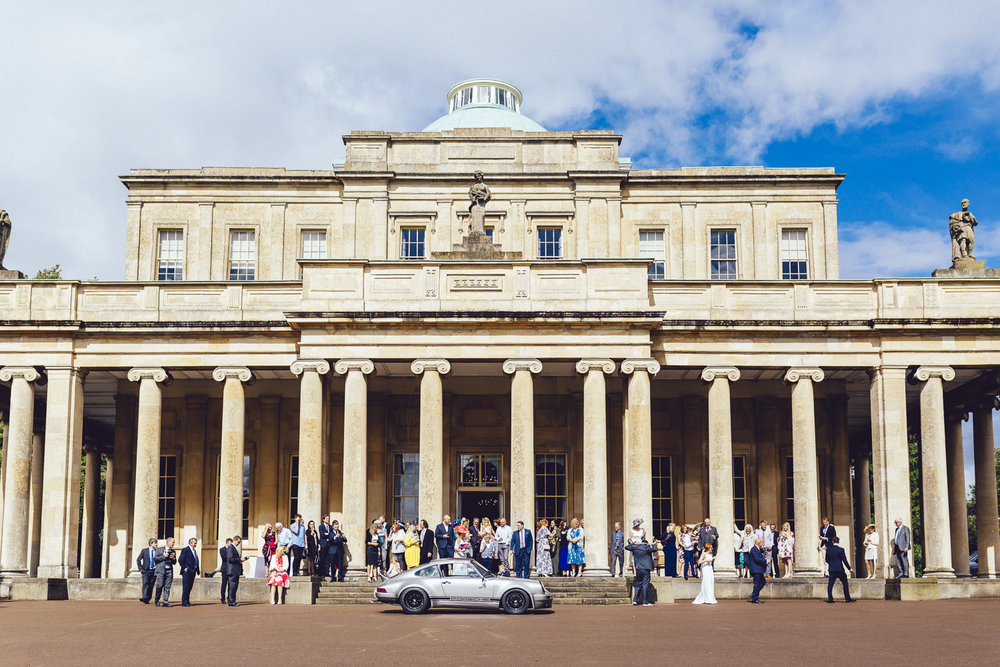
column 412, row 548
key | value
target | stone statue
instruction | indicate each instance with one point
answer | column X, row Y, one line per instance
column 963, row 237
column 479, row 195
column 5, row 228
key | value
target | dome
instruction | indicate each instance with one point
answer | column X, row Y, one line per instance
column 484, row 103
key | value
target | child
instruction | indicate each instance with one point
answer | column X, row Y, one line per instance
column 660, row 559
column 393, row 567
column 503, row 571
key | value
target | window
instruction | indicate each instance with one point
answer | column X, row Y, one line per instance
column 740, row 490
column 167, row 505
column 663, row 510
column 411, row 243
column 651, row 247
column 293, row 486
column 313, row 245
column 794, row 255
column 431, row 571
column 489, row 233
column 549, row 242
column 550, row 486
column 723, row 254
column 170, row 255
column 406, row 487
column 789, row 492
column 481, row 470
column 242, row 254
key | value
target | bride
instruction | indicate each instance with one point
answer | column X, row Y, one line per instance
column 707, row 593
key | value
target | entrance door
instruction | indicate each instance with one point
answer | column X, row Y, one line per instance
column 480, row 504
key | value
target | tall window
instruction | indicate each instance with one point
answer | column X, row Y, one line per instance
column 411, row 243
column 723, row 254
column 293, row 486
column 170, row 255
column 245, row 522
column 242, row 254
column 550, row 486
column 481, row 470
column 663, row 506
column 794, row 255
column 489, row 233
column 314, row 245
column 739, row 490
column 406, row 487
column 789, row 492
column 651, row 246
column 549, row 242
column 167, row 505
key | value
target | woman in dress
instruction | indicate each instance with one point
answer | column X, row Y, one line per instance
column 398, row 537
column 371, row 553
column 411, row 545
column 269, row 538
column 312, row 548
column 463, row 545
column 277, row 576
column 485, row 526
column 706, row 595
column 554, row 545
column 563, row 549
column 746, row 544
column 738, row 550
column 786, row 549
column 871, row 549
column 543, row 557
column 669, row 542
column 576, row 557
column 687, row 544
column 488, row 552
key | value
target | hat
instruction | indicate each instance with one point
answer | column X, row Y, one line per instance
column 636, row 522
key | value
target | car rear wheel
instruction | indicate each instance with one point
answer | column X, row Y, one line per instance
column 414, row 601
column 515, row 602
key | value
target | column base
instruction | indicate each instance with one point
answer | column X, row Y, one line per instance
column 725, row 573
column 597, row 571
column 944, row 573
column 809, row 573
column 13, row 573
column 58, row 572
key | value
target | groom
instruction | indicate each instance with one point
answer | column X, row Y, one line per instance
column 758, row 566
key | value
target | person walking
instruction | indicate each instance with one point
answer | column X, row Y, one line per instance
column 190, row 568
column 543, row 557
column 616, row 550
column 757, row 566
column 146, row 564
column 577, row 557
column 901, row 546
column 836, row 561
column 871, row 549
column 445, row 538
column 706, row 594
column 164, row 560
column 521, row 543
column 786, row 550
column 277, row 576
column 642, row 558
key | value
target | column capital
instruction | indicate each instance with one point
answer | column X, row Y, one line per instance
column 651, row 366
column 28, row 373
column 300, row 366
column 793, row 375
column 241, row 373
column 513, row 365
column 986, row 403
column 711, row 372
column 956, row 415
column 587, row 365
column 344, row 366
column 154, row 374
column 925, row 373
column 442, row 366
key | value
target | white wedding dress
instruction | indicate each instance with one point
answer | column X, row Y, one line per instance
column 707, row 593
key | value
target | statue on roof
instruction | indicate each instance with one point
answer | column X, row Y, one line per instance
column 479, row 195
column 963, row 236
column 5, row 228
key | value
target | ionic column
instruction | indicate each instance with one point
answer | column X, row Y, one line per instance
column 987, row 525
column 720, row 463
column 890, row 457
column 231, row 449
column 805, row 469
column 522, row 439
column 957, row 510
column 595, row 464
column 145, row 509
column 311, row 435
column 934, row 466
column 355, row 504
column 638, row 450
column 89, row 557
column 430, row 502
column 17, row 460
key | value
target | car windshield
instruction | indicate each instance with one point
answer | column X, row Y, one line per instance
column 481, row 570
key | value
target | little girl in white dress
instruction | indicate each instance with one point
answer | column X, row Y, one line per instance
column 707, row 593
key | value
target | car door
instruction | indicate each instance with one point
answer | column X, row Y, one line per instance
column 429, row 578
column 463, row 586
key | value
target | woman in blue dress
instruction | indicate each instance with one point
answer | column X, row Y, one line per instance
column 576, row 557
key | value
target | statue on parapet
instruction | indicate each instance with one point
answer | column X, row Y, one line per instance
column 5, row 228
column 479, row 195
column 963, row 236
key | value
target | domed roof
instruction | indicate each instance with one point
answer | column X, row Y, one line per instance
column 484, row 103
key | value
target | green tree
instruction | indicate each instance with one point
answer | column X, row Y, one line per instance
column 970, row 504
column 916, row 510
column 51, row 273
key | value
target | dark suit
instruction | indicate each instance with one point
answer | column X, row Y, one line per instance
column 233, row 570
column 426, row 545
column 444, row 536
column 758, row 566
column 708, row 536
column 190, row 568
column 642, row 558
column 324, row 544
column 335, row 555
column 836, row 559
column 617, row 551
column 164, row 559
column 145, row 563
column 521, row 543
column 774, row 552
column 829, row 532
column 223, row 570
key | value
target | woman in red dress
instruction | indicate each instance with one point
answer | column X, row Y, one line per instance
column 269, row 538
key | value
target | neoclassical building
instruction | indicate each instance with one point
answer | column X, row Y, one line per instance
column 667, row 344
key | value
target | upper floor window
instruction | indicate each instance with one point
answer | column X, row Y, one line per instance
column 170, row 255
column 411, row 243
column 242, row 254
column 549, row 242
column 723, row 254
column 794, row 254
column 489, row 233
column 651, row 247
column 313, row 245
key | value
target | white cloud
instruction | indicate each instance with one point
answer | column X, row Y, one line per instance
column 878, row 249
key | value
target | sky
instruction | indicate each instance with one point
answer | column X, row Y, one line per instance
column 901, row 96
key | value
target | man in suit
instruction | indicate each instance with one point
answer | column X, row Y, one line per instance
column 826, row 535
column 444, row 536
column 224, row 568
column 426, row 543
column 234, row 569
column 324, row 543
column 708, row 534
column 164, row 560
column 521, row 543
column 836, row 561
column 773, row 530
column 900, row 548
column 616, row 549
column 642, row 558
column 335, row 553
column 758, row 565
column 146, row 564
column 474, row 537
column 190, row 568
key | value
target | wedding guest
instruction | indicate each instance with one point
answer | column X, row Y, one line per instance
column 269, row 540
column 871, row 550
column 687, row 544
column 371, row 553
column 398, row 537
column 312, row 548
column 393, row 567
column 488, row 552
column 774, row 548
column 576, row 557
column 786, row 549
column 277, row 576
column 616, row 548
column 543, row 557
column 669, row 542
column 411, row 547
column 554, row 545
column 564, row 567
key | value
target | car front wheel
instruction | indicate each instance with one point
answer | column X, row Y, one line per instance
column 515, row 602
column 414, row 601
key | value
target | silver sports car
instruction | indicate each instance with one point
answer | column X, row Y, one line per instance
column 459, row 582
